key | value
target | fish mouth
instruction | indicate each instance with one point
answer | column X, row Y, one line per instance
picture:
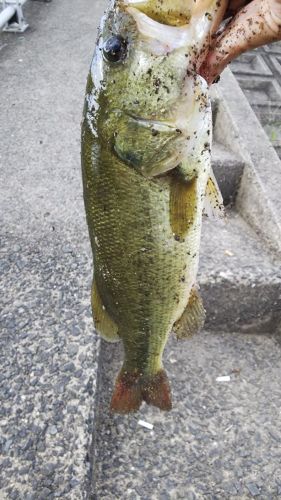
column 188, row 33
column 148, row 145
column 151, row 123
column 175, row 13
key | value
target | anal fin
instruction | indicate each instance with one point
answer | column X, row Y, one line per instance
column 193, row 317
column 104, row 325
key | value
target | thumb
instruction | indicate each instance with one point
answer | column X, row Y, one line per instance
column 256, row 24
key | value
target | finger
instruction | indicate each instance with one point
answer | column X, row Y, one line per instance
column 256, row 24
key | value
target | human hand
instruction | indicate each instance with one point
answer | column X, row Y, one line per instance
column 252, row 24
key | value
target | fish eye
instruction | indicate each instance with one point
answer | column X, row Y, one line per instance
column 115, row 48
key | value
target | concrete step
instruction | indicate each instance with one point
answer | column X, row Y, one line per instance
column 240, row 278
column 238, row 129
column 259, row 75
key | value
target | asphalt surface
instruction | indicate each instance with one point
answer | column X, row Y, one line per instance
column 48, row 345
column 222, row 440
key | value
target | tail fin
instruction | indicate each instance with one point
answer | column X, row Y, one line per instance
column 156, row 391
column 127, row 395
column 133, row 388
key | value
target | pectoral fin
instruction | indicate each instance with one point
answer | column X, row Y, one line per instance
column 193, row 317
column 105, row 326
column 183, row 205
column 213, row 207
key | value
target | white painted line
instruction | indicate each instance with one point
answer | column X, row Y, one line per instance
column 147, row 425
column 224, row 378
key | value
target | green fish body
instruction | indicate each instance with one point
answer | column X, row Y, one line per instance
column 146, row 137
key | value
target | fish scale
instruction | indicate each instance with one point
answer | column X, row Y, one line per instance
column 148, row 259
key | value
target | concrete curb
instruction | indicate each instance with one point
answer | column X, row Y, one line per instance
column 237, row 127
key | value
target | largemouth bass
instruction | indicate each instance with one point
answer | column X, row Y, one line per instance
column 146, row 139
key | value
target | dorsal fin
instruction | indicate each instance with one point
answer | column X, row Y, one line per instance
column 213, row 205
